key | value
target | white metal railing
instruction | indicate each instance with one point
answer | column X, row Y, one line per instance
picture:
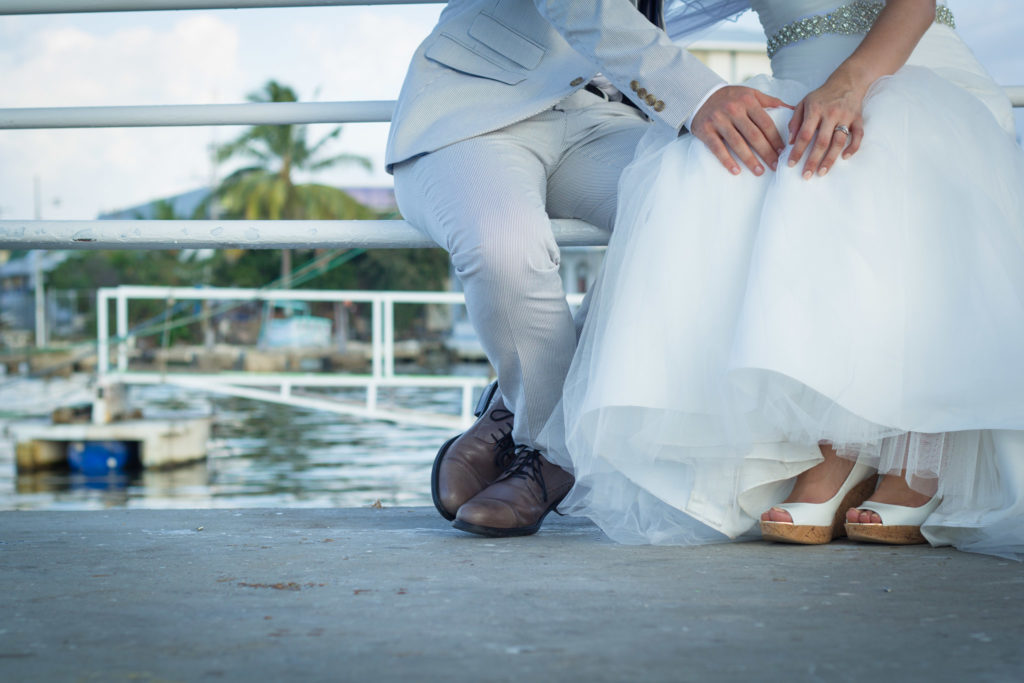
column 164, row 115
column 78, row 6
column 259, row 385
column 247, row 234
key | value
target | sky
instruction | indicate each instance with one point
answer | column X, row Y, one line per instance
column 197, row 57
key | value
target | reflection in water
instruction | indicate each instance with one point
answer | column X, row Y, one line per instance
column 260, row 455
column 132, row 488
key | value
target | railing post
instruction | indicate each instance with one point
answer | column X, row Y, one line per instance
column 102, row 335
column 376, row 325
column 389, row 337
column 377, row 344
column 371, row 395
column 467, row 404
column 122, row 331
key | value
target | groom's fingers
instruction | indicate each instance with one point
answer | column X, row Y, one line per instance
column 736, row 140
column 804, row 136
column 756, row 138
column 768, row 132
column 716, row 146
column 765, row 122
column 794, row 125
column 734, row 118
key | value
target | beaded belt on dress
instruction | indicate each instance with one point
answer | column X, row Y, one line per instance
column 852, row 19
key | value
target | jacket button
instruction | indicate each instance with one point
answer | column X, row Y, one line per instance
column 659, row 106
column 634, row 85
column 642, row 92
column 650, row 99
column 576, row 81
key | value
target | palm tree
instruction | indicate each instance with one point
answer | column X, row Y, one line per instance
column 265, row 190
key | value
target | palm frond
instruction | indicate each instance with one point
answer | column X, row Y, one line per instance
column 341, row 159
column 333, row 135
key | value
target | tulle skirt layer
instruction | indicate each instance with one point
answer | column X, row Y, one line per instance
column 740, row 321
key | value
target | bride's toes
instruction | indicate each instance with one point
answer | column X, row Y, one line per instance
column 777, row 515
column 857, row 516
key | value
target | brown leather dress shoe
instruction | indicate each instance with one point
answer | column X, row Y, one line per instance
column 516, row 504
column 469, row 462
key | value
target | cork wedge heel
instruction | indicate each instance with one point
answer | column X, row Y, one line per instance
column 901, row 525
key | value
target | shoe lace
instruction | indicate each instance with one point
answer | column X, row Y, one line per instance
column 504, row 446
column 504, row 451
column 501, row 415
column 527, row 466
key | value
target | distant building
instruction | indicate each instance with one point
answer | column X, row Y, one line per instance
column 734, row 53
column 17, row 290
column 377, row 198
column 184, row 205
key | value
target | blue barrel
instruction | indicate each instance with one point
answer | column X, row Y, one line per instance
column 99, row 457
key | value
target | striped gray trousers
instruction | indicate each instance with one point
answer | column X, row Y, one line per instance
column 488, row 201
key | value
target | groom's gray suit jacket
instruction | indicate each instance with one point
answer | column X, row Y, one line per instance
column 491, row 63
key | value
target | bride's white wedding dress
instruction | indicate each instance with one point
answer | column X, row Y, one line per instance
column 740, row 320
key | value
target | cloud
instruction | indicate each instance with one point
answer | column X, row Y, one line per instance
column 351, row 61
column 95, row 169
column 69, row 66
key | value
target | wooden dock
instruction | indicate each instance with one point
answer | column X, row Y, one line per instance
column 162, row 444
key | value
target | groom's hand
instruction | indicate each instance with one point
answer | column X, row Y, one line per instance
column 734, row 118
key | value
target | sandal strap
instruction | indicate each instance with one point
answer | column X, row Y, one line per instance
column 901, row 515
column 808, row 514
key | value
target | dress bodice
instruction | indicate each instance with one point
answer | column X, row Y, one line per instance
column 774, row 14
column 808, row 39
column 777, row 14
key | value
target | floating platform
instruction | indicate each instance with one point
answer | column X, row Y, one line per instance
column 397, row 594
column 160, row 443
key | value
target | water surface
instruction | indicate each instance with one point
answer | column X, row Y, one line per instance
column 259, row 455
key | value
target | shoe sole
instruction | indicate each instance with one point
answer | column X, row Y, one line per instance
column 881, row 533
column 805, row 534
column 435, row 474
column 499, row 532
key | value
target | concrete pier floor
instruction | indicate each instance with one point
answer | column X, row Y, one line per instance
column 398, row 595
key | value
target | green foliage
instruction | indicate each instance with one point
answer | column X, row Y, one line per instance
column 250, row 268
column 90, row 270
column 265, row 190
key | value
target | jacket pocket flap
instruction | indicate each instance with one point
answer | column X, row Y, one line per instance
column 506, row 41
column 451, row 53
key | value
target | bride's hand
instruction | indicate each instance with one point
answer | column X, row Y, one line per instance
column 831, row 118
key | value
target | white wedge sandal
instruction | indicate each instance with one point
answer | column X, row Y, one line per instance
column 901, row 525
column 817, row 523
